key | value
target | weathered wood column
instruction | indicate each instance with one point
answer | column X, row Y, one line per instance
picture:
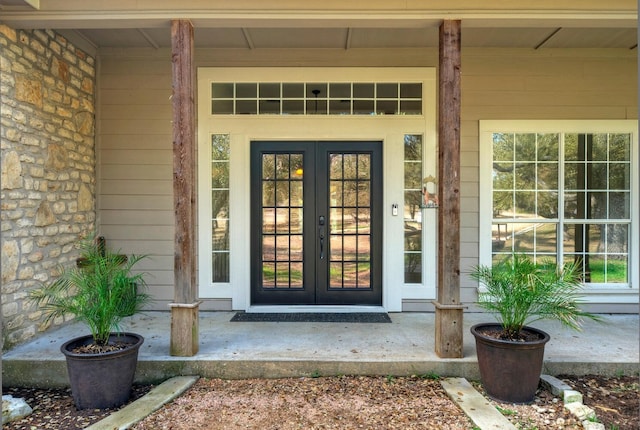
column 184, row 309
column 448, row 337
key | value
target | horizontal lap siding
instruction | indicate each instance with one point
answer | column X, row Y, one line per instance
column 135, row 165
column 135, row 170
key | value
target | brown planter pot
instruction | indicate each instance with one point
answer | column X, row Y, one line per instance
column 100, row 381
column 509, row 370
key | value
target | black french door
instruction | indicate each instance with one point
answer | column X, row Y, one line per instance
column 316, row 223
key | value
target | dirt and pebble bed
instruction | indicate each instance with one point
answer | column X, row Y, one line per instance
column 615, row 400
column 53, row 409
column 338, row 403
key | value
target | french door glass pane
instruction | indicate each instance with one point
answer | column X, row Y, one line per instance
column 349, row 220
column 282, row 222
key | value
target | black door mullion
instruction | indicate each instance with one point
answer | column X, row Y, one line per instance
column 322, row 212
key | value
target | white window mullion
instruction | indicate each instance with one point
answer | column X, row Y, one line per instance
column 561, row 201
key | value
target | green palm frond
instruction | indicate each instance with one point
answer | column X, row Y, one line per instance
column 519, row 292
column 99, row 291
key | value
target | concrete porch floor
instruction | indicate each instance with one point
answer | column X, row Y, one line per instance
column 275, row 349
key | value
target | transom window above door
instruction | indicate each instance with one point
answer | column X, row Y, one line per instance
column 316, row 98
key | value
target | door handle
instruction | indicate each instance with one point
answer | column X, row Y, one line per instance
column 321, row 235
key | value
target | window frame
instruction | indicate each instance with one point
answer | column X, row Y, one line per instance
column 605, row 292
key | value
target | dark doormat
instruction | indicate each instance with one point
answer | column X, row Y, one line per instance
column 358, row 317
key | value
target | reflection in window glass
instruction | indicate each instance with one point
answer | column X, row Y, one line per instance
column 533, row 215
column 412, row 212
column 282, row 223
column 220, row 207
column 525, row 175
column 349, row 221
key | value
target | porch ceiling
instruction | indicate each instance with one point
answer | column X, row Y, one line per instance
column 353, row 38
column 334, row 24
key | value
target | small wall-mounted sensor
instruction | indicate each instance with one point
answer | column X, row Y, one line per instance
column 394, row 209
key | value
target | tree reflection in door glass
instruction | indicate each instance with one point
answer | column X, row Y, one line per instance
column 349, row 220
column 282, row 221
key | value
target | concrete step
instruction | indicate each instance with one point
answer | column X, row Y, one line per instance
column 236, row 350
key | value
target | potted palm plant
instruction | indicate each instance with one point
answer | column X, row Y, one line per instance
column 98, row 292
column 519, row 292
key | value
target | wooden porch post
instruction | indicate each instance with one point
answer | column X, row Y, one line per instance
column 184, row 309
column 448, row 336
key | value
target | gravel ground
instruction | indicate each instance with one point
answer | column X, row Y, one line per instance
column 338, row 403
column 311, row 403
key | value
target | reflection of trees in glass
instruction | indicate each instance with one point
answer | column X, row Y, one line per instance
column 525, row 175
column 350, row 176
column 413, row 199
column 413, row 173
column 413, row 257
column 600, row 176
column 279, row 171
column 220, row 207
column 220, row 177
column 282, row 201
column 596, row 172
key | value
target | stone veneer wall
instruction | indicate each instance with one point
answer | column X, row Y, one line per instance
column 48, row 166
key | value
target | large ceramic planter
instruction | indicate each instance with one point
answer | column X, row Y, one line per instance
column 100, row 381
column 509, row 370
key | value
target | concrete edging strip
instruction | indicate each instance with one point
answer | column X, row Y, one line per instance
column 474, row 405
column 152, row 401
